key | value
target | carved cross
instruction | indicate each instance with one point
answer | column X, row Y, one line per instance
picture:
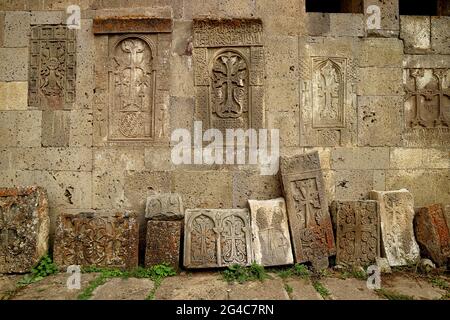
column 232, row 232
column 229, row 74
column 308, row 201
column 358, row 228
column 328, row 89
column 202, row 229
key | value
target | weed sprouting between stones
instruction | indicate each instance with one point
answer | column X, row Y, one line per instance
column 242, row 274
column 391, row 295
column 319, row 287
column 299, row 270
column 43, row 269
column 156, row 273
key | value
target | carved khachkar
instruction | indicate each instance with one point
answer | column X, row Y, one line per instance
column 166, row 206
column 132, row 88
column 432, row 234
column 357, row 232
column 328, row 82
column 427, row 106
column 228, row 73
column 396, row 210
column 271, row 239
column 217, row 238
column 309, row 219
column 163, row 243
column 24, row 228
column 88, row 239
column 52, row 70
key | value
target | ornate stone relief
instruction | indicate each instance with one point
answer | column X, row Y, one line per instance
column 228, row 73
column 52, row 70
column 131, row 82
column 217, row 238
column 87, row 239
column 309, row 219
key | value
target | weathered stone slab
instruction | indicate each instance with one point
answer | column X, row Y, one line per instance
column 432, row 233
column 271, row 239
column 349, row 289
column 89, row 239
column 166, row 206
column 309, row 219
column 415, row 33
column 24, row 228
column 124, row 289
column 357, row 232
column 52, row 70
column 228, row 58
column 396, row 210
column 217, row 238
column 129, row 24
column 163, row 243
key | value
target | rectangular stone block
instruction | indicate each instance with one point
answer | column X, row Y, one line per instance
column 415, row 32
column 17, row 29
column 375, row 114
column 389, row 14
column 357, row 232
column 217, row 238
column 52, row 67
column 165, row 206
column 440, row 34
column 13, row 64
column 24, row 228
column 432, row 234
column 56, row 128
column 253, row 185
column 20, row 128
column 380, row 82
column 360, row 158
column 396, row 209
column 139, row 24
column 163, row 243
column 89, row 239
column 309, row 218
column 13, row 95
column 381, row 52
column 354, row 184
column 271, row 238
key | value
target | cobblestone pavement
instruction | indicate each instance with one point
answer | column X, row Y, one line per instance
column 211, row 286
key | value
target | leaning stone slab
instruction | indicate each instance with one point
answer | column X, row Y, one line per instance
column 432, row 233
column 165, row 206
column 89, row 239
column 217, row 238
column 163, row 243
column 271, row 238
column 24, row 228
column 396, row 216
column 357, row 232
column 309, row 218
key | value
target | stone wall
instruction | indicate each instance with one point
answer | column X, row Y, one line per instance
column 371, row 139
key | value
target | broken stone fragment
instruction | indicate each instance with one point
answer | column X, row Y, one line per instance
column 396, row 215
column 271, row 238
column 90, row 239
column 24, row 228
column 165, row 206
column 432, row 233
column 163, row 243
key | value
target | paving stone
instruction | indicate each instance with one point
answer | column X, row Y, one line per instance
column 124, row 289
column 271, row 238
column 24, row 228
column 54, row 287
column 302, row 289
column 7, row 285
column 396, row 215
column 413, row 287
column 269, row 289
column 197, row 286
column 349, row 289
